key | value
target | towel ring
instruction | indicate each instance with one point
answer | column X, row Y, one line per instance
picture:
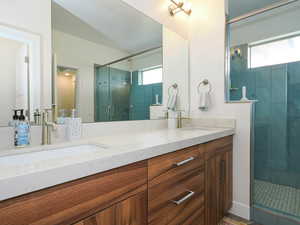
column 173, row 87
column 204, row 83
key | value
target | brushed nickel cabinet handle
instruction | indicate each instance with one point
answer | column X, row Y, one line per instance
column 185, row 198
column 184, row 161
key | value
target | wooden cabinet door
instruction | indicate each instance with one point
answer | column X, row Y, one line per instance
column 218, row 178
column 132, row 211
column 211, row 190
column 224, row 183
column 105, row 217
column 220, row 183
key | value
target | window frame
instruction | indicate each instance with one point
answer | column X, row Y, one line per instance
column 141, row 74
column 269, row 41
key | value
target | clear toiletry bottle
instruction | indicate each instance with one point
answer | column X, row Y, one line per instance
column 13, row 123
column 62, row 116
column 14, row 120
column 22, row 131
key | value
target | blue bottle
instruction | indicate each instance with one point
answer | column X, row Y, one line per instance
column 22, row 131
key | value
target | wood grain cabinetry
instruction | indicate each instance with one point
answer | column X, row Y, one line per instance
column 176, row 188
column 132, row 211
column 70, row 202
column 218, row 179
column 192, row 186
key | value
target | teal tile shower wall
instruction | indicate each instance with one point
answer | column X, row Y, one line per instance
column 141, row 97
column 128, row 100
column 277, row 117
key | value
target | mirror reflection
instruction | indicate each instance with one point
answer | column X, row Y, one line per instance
column 20, row 75
column 107, row 59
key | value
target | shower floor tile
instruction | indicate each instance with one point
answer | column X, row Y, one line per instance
column 277, row 197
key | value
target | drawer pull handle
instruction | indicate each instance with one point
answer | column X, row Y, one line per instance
column 188, row 196
column 185, row 161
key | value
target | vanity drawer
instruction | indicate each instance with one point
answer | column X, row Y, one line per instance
column 76, row 200
column 178, row 200
column 175, row 163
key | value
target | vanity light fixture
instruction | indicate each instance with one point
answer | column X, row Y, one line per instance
column 180, row 6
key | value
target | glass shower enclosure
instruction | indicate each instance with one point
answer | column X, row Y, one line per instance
column 125, row 90
column 265, row 58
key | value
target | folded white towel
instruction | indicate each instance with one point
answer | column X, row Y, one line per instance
column 204, row 100
column 172, row 101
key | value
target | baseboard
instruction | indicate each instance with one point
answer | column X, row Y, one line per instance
column 241, row 210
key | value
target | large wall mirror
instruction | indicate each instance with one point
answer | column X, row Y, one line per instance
column 108, row 60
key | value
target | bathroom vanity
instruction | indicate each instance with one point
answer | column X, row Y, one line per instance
column 188, row 186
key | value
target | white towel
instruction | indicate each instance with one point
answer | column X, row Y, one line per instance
column 172, row 101
column 204, row 100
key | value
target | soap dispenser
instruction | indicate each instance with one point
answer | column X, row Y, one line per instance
column 22, row 131
column 15, row 119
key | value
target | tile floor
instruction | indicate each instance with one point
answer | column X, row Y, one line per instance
column 280, row 198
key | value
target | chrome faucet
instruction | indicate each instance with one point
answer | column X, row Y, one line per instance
column 47, row 127
column 180, row 119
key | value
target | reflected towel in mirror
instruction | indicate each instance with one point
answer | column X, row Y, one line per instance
column 204, row 100
column 172, row 101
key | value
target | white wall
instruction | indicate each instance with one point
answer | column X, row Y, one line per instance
column 158, row 10
column 276, row 23
column 33, row 16
column 81, row 54
column 176, row 67
column 9, row 50
column 207, row 60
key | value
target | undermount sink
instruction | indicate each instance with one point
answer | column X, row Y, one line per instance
column 52, row 155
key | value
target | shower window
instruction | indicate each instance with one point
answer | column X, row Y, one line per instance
column 276, row 52
column 151, row 76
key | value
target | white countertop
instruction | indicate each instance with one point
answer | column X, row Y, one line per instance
column 118, row 150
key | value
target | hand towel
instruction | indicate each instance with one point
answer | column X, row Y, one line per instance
column 172, row 101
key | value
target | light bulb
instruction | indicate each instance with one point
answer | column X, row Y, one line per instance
column 187, row 6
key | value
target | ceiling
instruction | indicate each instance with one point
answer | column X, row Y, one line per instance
column 110, row 22
column 240, row 7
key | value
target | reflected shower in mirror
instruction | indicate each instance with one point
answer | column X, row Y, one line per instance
column 108, row 61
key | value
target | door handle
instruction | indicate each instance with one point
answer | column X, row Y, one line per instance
column 185, row 198
column 185, row 161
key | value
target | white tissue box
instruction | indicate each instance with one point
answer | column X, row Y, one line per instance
column 73, row 128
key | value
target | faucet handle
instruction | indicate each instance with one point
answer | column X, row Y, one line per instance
column 45, row 113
